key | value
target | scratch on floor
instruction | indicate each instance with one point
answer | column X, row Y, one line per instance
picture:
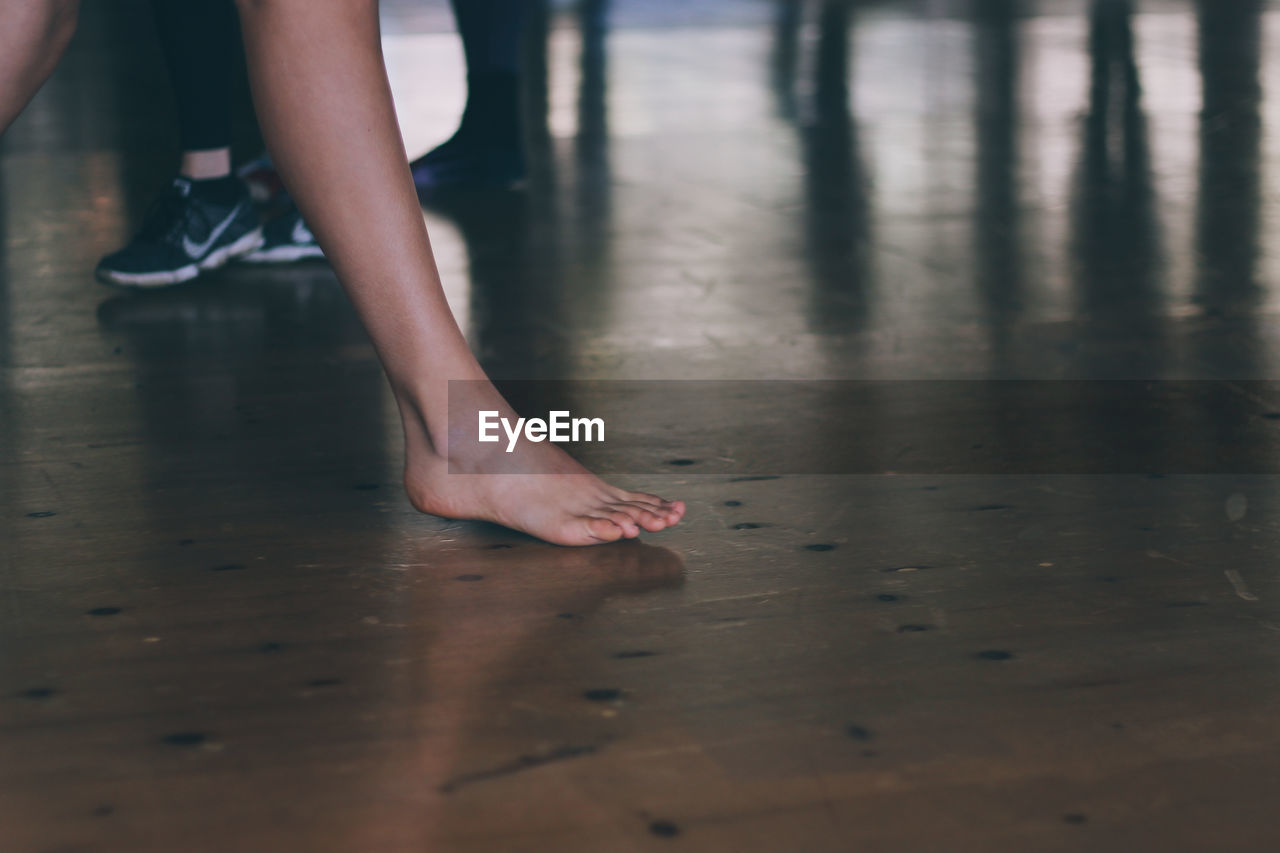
column 765, row 594
column 1237, row 583
column 517, row 765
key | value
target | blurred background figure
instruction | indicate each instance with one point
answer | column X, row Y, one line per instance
column 487, row 150
column 206, row 217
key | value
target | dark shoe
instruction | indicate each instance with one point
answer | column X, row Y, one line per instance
column 184, row 234
column 459, row 165
column 487, row 151
column 262, row 179
column 287, row 239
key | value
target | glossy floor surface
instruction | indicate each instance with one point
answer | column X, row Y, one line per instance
column 222, row 626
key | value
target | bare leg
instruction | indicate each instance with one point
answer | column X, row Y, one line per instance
column 322, row 93
column 32, row 39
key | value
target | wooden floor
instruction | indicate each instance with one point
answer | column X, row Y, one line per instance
column 223, row 628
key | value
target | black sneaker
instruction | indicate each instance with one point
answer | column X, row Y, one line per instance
column 262, row 179
column 460, row 164
column 187, row 231
column 287, row 239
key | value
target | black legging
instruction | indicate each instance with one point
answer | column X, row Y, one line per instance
column 491, row 32
column 199, row 38
column 199, row 42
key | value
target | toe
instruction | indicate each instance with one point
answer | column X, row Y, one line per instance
column 630, row 529
column 673, row 510
column 641, row 498
column 650, row 518
column 601, row 519
column 598, row 530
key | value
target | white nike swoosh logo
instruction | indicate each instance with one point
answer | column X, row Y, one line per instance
column 197, row 250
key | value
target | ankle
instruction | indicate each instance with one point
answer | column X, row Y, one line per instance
column 445, row 424
column 206, row 165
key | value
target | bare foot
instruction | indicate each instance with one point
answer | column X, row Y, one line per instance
column 538, row 489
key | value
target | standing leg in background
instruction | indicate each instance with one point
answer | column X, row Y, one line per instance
column 205, row 218
column 488, row 148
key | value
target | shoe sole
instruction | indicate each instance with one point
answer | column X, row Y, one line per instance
column 218, row 258
column 513, row 184
column 286, row 254
column 444, row 178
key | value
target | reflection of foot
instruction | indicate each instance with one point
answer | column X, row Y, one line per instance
column 196, row 226
column 538, row 489
column 525, row 578
column 285, row 239
column 173, row 317
column 496, row 611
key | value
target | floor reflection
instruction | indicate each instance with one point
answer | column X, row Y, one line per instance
column 838, row 217
column 999, row 230
column 1115, row 232
column 502, row 686
column 1229, row 199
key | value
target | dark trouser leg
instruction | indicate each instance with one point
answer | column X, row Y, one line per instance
column 198, row 38
column 488, row 146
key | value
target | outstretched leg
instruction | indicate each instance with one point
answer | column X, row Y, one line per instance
column 32, row 40
column 321, row 90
